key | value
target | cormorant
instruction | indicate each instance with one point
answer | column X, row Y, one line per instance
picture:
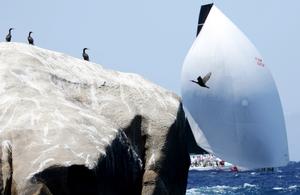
column 85, row 55
column 30, row 39
column 8, row 36
column 202, row 82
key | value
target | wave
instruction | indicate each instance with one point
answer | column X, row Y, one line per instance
column 247, row 185
column 285, row 181
column 244, row 189
column 219, row 189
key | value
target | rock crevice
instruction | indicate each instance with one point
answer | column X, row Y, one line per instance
column 77, row 128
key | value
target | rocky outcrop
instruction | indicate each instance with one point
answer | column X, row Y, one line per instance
column 6, row 168
column 72, row 127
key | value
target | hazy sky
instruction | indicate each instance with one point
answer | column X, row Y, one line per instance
column 151, row 38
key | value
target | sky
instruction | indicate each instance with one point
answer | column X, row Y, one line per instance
column 152, row 38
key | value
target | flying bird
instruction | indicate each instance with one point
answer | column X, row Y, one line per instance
column 8, row 36
column 85, row 55
column 30, row 39
column 202, row 82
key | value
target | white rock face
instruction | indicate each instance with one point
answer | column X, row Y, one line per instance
column 59, row 110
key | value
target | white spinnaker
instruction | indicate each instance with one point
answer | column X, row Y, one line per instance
column 240, row 115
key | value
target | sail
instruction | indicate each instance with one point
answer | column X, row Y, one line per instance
column 234, row 106
column 203, row 15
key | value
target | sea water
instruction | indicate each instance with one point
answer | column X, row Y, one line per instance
column 284, row 180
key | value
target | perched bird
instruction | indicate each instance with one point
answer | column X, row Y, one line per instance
column 85, row 55
column 30, row 39
column 8, row 36
column 202, row 82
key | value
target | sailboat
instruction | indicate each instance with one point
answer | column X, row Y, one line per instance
column 230, row 98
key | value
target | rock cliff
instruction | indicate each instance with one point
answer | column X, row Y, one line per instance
column 69, row 126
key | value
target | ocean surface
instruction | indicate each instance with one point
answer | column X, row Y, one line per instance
column 284, row 180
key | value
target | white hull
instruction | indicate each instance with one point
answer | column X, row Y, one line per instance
column 208, row 162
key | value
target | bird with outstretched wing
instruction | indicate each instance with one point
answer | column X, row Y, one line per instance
column 202, row 81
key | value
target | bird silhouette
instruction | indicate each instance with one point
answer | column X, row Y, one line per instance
column 30, row 39
column 202, row 82
column 8, row 36
column 85, row 55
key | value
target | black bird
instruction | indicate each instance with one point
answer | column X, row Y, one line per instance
column 85, row 55
column 30, row 39
column 202, row 82
column 8, row 36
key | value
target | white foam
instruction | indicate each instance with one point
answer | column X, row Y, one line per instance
column 293, row 187
column 277, row 188
column 219, row 189
column 246, row 185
